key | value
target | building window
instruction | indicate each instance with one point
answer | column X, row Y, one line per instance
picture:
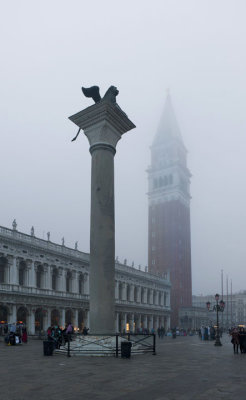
column 153, row 262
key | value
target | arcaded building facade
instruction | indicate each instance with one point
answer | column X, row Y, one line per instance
column 169, row 211
column 43, row 284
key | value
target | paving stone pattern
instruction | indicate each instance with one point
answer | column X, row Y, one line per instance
column 184, row 369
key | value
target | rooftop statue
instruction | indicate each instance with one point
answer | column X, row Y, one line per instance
column 94, row 93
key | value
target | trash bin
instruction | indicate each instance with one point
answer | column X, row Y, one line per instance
column 126, row 349
column 48, row 348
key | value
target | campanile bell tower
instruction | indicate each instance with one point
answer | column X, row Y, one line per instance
column 169, row 210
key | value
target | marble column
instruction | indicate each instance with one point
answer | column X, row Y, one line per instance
column 14, row 279
column 13, row 316
column 31, row 274
column 117, row 290
column 31, row 322
column 86, row 284
column 62, row 320
column 131, row 322
column 103, row 124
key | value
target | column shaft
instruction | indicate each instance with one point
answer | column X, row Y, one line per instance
column 102, row 242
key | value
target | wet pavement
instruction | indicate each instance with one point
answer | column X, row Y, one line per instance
column 184, row 369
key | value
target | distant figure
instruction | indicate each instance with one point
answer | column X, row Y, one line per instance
column 48, row 236
column 24, row 336
column 76, row 246
column 85, row 331
column 14, row 225
column 63, row 241
column 32, row 231
column 125, row 261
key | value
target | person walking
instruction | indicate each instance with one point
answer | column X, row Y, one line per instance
column 235, row 340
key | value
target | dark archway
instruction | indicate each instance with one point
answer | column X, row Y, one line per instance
column 68, row 281
column 81, row 320
column 39, row 320
column 55, row 279
column 39, row 276
column 22, row 315
column 81, row 284
column 3, row 269
column 3, row 314
column 68, row 316
column 55, row 318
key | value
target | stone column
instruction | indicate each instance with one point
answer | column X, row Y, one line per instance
column 31, row 322
column 150, row 322
column 31, row 274
column 124, row 291
column 117, row 290
column 62, row 321
column 86, row 284
column 123, row 322
column 131, row 323
column 47, row 277
column 14, row 272
column 144, row 322
column 47, row 318
column 103, row 124
column 13, row 316
column 74, row 282
column 151, row 296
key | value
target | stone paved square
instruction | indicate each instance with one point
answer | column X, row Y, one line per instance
column 184, row 368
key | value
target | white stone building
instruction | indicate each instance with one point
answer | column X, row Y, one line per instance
column 43, row 284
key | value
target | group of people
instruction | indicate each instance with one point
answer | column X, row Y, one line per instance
column 15, row 335
column 238, row 339
column 208, row 333
column 61, row 336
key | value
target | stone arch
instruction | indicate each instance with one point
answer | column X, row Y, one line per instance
column 54, row 278
column 81, row 320
column 21, row 315
column 68, row 316
column 39, row 319
column 3, row 269
column 55, row 317
column 4, row 312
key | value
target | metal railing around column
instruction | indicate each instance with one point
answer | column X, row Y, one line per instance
column 110, row 345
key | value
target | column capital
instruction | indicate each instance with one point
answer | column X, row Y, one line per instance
column 99, row 119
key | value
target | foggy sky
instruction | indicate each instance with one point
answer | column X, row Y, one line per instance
column 49, row 49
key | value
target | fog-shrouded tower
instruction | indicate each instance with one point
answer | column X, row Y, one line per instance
column 169, row 210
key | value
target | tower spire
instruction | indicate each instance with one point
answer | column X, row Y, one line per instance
column 168, row 127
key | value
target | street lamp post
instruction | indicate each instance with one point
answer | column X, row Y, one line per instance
column 219, row 307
